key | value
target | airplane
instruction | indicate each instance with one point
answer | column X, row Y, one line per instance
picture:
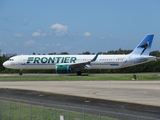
column 65, row 63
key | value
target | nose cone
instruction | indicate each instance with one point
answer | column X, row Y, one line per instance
column 6, row 64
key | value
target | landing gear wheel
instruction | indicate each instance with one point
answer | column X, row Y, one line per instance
column 79, row 73
column 20, row 72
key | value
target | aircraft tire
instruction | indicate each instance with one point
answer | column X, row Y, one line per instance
column 79, row 73
column 20, row 72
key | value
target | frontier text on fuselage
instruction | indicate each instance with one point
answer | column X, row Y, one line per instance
column 51, row 60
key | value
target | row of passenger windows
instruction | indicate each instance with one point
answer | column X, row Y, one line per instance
column 83, row 59
column 101, row 59
column 111, row 59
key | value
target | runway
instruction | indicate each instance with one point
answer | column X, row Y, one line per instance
column 140, row 92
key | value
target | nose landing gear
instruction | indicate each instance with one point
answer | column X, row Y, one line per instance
column 79, row 73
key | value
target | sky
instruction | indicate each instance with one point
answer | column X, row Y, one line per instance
column 76, row 26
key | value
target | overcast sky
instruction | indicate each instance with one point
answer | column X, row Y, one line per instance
column 76, row 26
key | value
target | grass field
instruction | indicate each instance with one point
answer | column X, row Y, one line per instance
column 80, row 78
column 10, row 110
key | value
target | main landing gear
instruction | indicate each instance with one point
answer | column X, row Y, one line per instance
column 79, row 73
column 20, row 72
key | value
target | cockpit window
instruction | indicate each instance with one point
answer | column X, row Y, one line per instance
column 11, row 59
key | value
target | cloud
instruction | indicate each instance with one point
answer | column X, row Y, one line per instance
column 3, row 44
column 59, row 29
column 67, row 48
column 5, row 19
column 25, row 21
column 58, row 44
column 102, row 38
column 43, row 34
column 18, row 35
column 87, row 34
column 110, row 35
column 29, row 43
column 38, row 33
column 35, row 34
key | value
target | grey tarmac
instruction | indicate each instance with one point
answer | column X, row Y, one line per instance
column 140, row 92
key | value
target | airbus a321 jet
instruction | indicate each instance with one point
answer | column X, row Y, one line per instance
column 66, row 63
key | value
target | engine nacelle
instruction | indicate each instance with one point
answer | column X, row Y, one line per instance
column 62, row 69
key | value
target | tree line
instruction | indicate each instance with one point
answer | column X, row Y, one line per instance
column 153, row 66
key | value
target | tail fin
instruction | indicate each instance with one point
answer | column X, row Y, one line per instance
column 144, row 46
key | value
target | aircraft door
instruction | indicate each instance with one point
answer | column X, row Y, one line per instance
column 23, row 62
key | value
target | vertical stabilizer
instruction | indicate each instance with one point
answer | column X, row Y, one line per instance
column 144, row 46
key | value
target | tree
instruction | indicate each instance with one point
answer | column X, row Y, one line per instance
column 64, row 53
column 155, row 53
column 50, row 53
column 2, row 60
column 120, row 51
column 86, row 53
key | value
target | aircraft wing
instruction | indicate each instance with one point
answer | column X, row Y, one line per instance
column 82, row 65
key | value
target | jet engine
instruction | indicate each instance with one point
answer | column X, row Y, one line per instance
column 62, row 69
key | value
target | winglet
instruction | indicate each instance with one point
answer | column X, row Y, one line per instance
column 94, row 59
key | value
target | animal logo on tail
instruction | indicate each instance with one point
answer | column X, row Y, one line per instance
column 144, row 46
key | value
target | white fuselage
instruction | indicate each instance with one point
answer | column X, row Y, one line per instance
column 50, row 61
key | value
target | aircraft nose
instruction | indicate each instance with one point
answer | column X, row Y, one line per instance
column 6, row 64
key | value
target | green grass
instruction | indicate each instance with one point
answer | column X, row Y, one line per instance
column 80, row 78
column 10, row 110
